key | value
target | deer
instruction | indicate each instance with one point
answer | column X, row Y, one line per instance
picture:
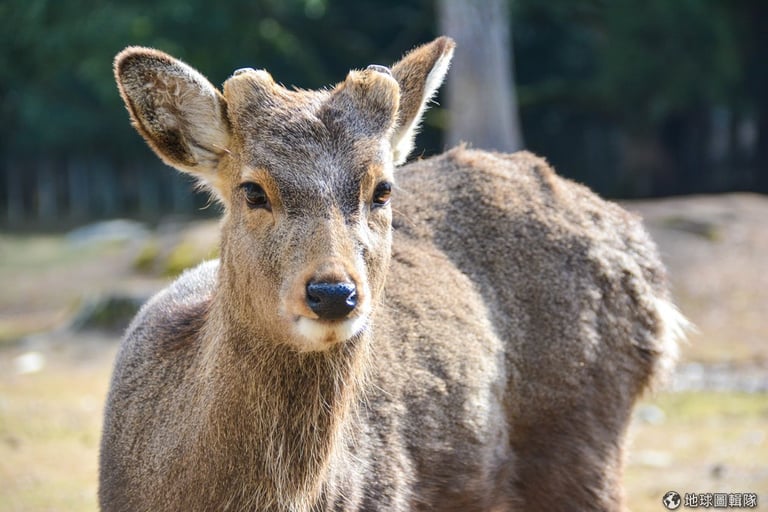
column 468, row 331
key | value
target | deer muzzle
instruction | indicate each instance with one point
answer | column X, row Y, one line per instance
column 331, row 300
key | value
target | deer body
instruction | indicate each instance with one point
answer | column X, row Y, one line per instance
column 477, row 346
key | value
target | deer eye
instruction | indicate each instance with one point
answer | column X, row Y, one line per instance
column 381, row 194
column 255, row 196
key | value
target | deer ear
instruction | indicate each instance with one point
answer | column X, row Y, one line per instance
column 419, row 74
column 178, row 112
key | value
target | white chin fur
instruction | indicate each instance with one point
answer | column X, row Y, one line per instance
column 317, row 336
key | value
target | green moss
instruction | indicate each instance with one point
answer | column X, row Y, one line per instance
column 696, row 406
column 146, row 259
column 701, row 228
column 186, row 255
column 11, row 331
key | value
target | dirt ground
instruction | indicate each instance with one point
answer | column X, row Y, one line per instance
column 707, row 433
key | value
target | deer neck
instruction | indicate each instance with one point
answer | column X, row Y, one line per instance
column 277, row 412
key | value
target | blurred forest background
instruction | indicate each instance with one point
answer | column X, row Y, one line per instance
column 635, row 99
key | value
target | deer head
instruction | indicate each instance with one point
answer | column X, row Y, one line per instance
column 305, row 178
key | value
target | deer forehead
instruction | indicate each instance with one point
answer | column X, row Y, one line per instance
column 331, row 142
column 364, row 106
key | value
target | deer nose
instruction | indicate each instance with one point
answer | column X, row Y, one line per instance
column 331, row 301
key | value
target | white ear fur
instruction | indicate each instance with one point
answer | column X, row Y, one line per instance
column 180, row 114
column 404, row 135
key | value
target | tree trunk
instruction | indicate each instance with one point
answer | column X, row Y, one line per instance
column 14, row 189
column 482, row 103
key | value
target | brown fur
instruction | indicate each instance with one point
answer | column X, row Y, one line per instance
column 507, row 319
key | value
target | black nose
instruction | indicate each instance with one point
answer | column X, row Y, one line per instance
column 331, row 301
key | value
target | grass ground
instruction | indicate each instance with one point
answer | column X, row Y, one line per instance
column 50, row 423
column 49, row 431
column 689, row 442
column 709, row 442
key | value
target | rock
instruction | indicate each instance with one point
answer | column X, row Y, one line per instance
column 29, row 362
column 717, row 471
column 117, row 230
column 651, row 459
column 110, row 313
column 744, row 377
column 650, row 414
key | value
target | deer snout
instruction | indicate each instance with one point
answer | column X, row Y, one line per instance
column 331, row 300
